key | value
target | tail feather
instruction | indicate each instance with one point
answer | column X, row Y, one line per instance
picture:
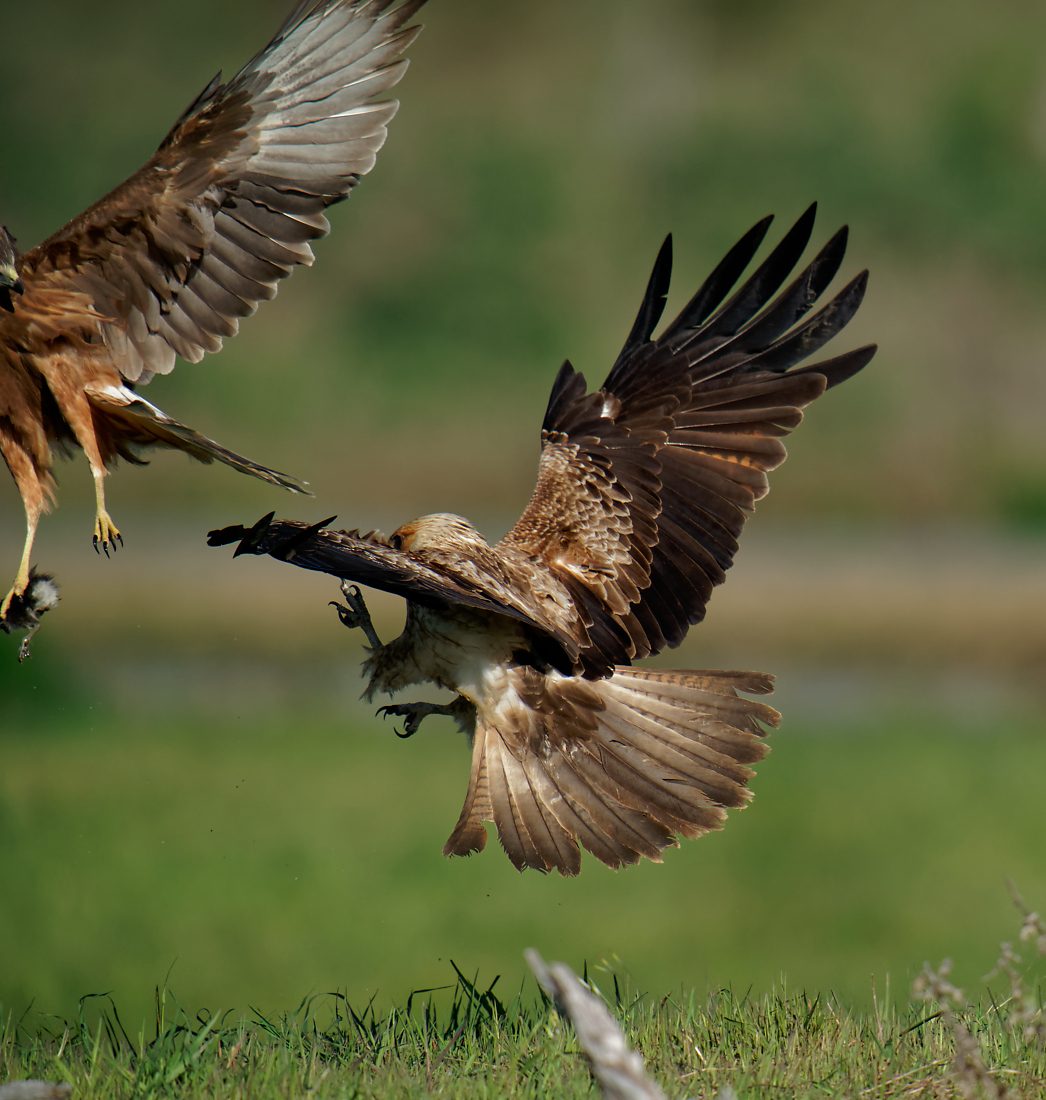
column 572, row 822
column 552, row 845
column 621, row 766
column 625, row 819
column 635, row 779
column 668, row 749
column 514, row 832
column 469, row 835
column 711, row 738
column 133, row 422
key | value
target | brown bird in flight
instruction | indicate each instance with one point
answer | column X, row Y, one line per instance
column 643, row 488
column 167, row 263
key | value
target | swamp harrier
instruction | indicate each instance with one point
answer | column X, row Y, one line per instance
column 643, row 488
column 167, row 263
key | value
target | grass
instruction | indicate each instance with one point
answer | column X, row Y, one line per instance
column 469, row 1039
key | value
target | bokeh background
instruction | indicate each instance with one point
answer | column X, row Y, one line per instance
column 189, row 789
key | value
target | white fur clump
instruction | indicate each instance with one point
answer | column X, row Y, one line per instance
column 42, row 595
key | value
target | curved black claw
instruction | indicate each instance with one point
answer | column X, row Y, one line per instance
column 349, row 616
column 103, row 546
column 410, row 726
column 354, row 613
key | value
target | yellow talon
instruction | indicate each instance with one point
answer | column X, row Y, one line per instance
column 106, row 534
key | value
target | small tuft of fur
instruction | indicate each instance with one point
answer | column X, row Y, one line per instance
column 40, row 596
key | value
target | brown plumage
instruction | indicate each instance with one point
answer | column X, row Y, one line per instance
column 168, row 262
column 643, row 488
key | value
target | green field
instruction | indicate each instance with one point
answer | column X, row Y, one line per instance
column 286, row 895
column 250, row 859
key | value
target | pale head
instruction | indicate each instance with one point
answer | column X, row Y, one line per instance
column 441, row 531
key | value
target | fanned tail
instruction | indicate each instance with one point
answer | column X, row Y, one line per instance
column 621, row 766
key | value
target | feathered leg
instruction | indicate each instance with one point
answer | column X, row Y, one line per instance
column 34, row 493
column 76, row 409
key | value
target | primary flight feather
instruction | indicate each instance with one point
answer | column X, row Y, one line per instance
column 643, row 488
column 168, row 262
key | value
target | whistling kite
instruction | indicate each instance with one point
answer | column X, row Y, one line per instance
column 166, row 264
column 643, row 488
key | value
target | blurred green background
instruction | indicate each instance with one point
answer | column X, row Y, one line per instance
column 187, row 783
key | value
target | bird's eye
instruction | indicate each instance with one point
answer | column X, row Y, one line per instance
column 396, row 542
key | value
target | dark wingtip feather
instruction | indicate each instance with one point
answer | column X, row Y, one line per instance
column 860, row 280
column 803, row 229
column 718, row 284
column 569, row 386
column 249, row 542
column 655, row 298
column 846, row 366
column 226, row 536
column 285, row 551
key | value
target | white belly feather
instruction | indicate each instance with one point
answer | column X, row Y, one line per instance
column 467, row 652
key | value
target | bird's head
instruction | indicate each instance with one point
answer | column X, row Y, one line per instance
column 439, row 532
column 9, row 278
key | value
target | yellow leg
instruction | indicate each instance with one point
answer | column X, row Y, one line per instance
column 76, row 408
column 106, row 533
column 32, row 516
column 34, row 486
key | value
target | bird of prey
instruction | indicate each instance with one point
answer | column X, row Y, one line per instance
column 167, row 263
column 643, row 488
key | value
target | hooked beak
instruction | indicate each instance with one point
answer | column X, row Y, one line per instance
column 9, row 278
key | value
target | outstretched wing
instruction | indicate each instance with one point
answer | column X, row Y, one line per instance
column 644, row 485
column 174, row 256
column 369, row 559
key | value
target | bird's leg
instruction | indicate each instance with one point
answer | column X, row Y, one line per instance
column 33, row 500
column 106, row 533
column 22, row 577
column 415, row 713
column 79, row 415
column 353, row 613
column 26, row 643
